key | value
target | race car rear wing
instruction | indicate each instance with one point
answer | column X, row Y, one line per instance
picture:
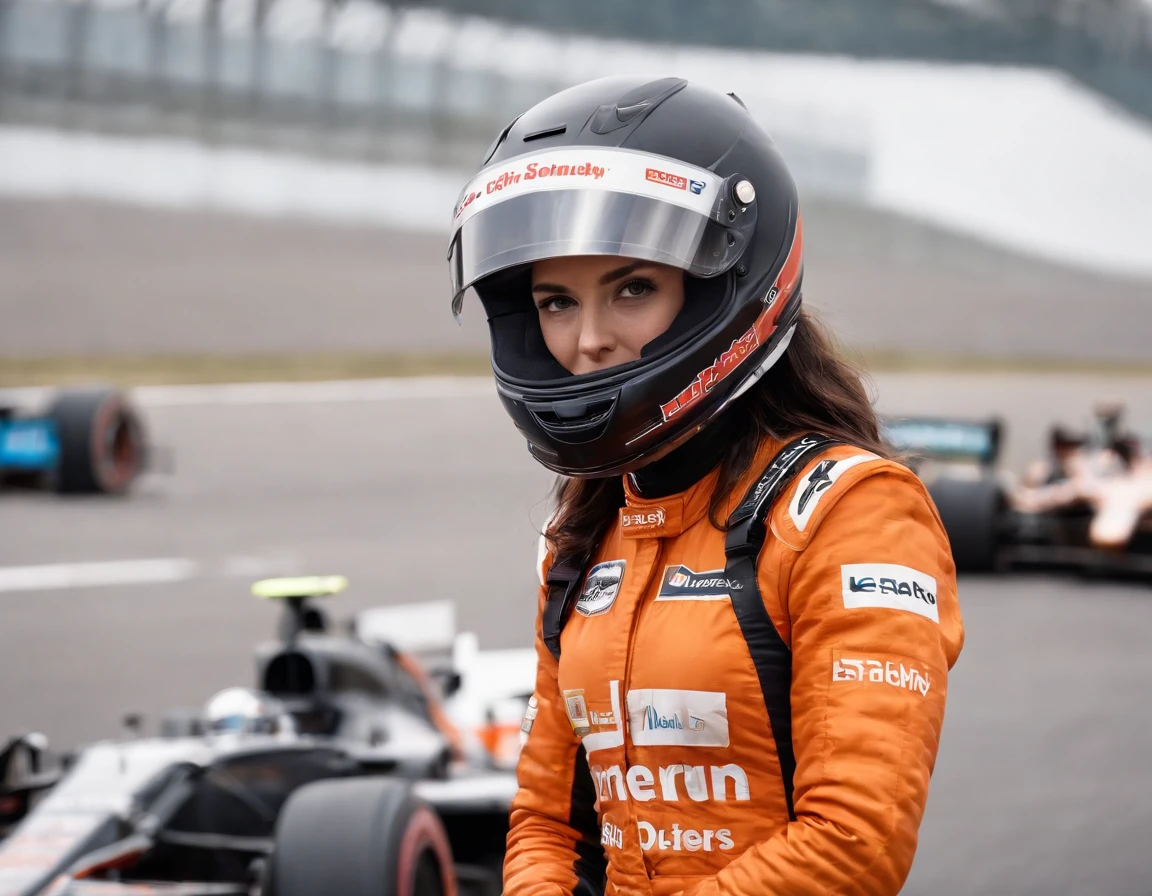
column 424, row 627
column 944, row 439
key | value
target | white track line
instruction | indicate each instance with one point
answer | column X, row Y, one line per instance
column 102, row 573
column 54, row 576
column 323, row 392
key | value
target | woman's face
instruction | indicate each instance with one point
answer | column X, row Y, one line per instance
column 598, row 311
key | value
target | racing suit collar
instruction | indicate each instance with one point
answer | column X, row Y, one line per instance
column 668, row 496
column 688, row 464
column 666, row 517
column 644, row 516
column 667, row 514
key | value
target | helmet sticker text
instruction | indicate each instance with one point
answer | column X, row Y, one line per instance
column 664, row 177
column 534, row 170
column 707, row 378
column 758, row 334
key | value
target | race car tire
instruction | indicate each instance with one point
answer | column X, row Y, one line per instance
column 970, row 511
column 101, row 441
column 359, row 837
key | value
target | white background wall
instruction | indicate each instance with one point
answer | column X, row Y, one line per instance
column 1024, row 158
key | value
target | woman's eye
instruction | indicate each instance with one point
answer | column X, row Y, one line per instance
column 634, row 289
column 556, row 303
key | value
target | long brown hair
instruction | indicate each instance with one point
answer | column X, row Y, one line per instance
column 813, row 387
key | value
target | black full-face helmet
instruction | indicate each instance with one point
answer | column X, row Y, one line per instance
column 664, row 171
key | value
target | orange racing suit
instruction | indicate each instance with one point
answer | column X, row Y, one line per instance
column 648, row 743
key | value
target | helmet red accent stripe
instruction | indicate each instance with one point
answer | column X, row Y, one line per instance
column 756, row 335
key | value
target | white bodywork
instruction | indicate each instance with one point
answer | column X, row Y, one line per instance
column 1119, row 495
column 489, row 705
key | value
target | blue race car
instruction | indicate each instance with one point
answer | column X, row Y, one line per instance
column 87, row 440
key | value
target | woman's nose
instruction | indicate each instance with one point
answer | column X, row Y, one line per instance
column 597, row 338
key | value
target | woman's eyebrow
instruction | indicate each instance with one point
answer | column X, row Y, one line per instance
column 549, row 287
column 624, row 271
column 604, row 280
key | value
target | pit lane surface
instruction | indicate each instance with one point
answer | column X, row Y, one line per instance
column 423, row 490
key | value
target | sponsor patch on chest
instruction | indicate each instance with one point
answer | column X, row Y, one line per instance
column 596, row 720
column 682, row 583
column 601, row 588
column 663, row 716
column 576, row 707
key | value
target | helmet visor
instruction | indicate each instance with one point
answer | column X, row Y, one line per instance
column 574, row 201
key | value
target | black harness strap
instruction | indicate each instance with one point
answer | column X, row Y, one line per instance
column 747, row 530
column 563, row 581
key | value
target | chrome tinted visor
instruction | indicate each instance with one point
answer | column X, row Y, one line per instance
column 573, row 201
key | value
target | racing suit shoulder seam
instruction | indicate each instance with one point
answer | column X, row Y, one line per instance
column 781, row 522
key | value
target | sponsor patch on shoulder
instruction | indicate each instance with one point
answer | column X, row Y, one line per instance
column 601, row 588
column 890, row 586
column 681, row 583
column 812, row 487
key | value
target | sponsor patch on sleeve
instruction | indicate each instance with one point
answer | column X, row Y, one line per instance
column 889, row 586
column 896, row 672
column 530, row 713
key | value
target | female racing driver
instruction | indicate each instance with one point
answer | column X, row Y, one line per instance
column 747, row 610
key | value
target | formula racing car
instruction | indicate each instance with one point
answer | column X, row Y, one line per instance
column 87, row 440
column 1086, row 505
column 340, row 772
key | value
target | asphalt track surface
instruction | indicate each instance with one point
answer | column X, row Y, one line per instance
column 89, row 278
column 1042, row 785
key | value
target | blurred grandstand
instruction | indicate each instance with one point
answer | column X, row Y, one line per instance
column 431, row 81
column 926, row 137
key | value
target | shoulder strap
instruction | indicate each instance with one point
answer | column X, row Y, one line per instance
column 562, row 582
column 747, row 530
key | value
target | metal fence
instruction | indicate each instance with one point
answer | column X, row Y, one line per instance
column 1106, row 44
column 351, row 79
column 299, row 74
column 357, row 78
